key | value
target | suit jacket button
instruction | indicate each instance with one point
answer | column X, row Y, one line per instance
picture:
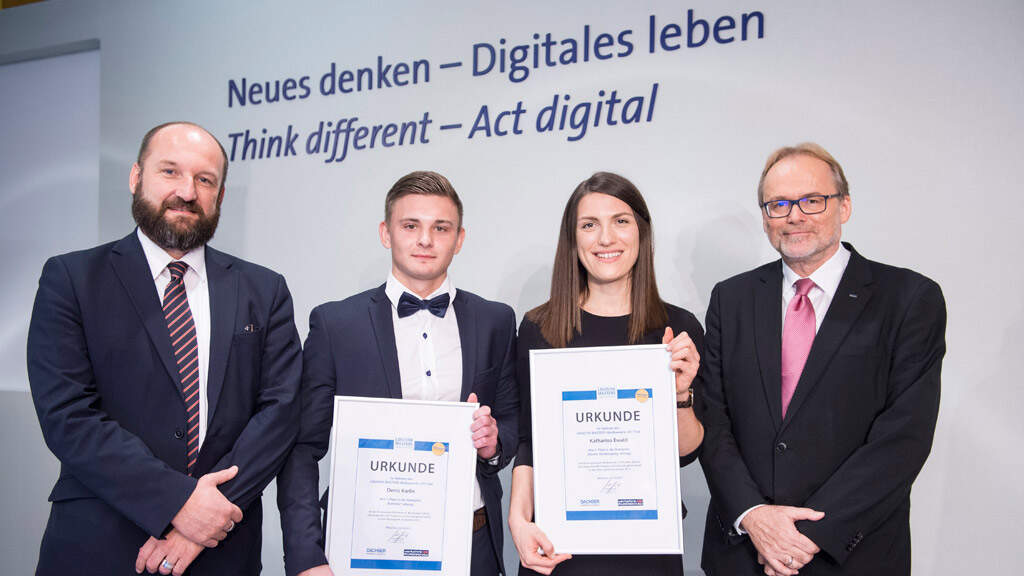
column 781, row 447
column 179, row 433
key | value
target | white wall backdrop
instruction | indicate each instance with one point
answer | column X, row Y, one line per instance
column 920, row 101
column 49, row 197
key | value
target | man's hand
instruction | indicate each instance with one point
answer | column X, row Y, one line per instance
column 207, row 516
column 485, row 430
column 781, row 548
column 685, row 359
column 321, row 570
column 176, row 550
column 528, row 539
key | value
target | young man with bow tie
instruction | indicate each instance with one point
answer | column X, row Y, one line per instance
column 416, row 337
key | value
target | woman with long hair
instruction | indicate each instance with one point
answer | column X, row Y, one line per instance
column 603, row 293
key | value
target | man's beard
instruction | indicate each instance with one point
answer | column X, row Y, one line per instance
column 180, row 236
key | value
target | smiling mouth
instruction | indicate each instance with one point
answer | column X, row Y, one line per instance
column 608, row 255
column 180, row 207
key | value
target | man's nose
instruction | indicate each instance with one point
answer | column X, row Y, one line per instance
column 187, row 190
column 796, row 215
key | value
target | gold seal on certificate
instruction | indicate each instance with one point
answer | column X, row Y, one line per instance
column 614, row 464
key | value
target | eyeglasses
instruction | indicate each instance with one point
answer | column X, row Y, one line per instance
column 808, row 205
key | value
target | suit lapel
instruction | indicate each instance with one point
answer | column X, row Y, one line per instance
column 768, row 336
column 466, row 319
column 849, row 301
column 223, row 287
column 132, row 269
column 384, row 331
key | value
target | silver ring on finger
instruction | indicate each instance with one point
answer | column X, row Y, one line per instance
column 789, row 562
column 231, row 526
column 166, row 565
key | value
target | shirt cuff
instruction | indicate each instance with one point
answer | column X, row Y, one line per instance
column 737, row 525
column 496, row 459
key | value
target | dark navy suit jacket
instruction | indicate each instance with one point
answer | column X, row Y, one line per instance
column 351, row 351
column 857, row 430
column 103, row 380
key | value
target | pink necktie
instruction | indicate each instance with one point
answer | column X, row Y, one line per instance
column 797, row 337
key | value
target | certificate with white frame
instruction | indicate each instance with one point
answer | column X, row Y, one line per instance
column 401, row 487
column 605, row 450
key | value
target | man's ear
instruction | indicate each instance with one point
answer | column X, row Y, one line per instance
column 385, row 235
column 134, row 176
column 462, row 237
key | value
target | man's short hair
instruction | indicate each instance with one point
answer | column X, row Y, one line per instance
column 421, row 182
column 144, row 147
column 807, row 149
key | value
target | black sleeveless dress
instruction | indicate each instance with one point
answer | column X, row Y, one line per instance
column 600, row 331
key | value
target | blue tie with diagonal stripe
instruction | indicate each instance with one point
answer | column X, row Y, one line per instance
column 186, row 354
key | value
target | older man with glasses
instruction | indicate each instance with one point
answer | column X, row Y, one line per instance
column 822, row 375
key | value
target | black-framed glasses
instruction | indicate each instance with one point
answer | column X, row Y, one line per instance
column 815, row 204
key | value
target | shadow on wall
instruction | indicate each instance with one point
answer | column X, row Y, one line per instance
column 373, row 274
column 24, row 487
column 721, row 248
column 526, row 288
column 235, row 212
column 983, row 408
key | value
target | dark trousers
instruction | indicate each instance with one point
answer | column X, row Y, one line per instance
column 483, row 562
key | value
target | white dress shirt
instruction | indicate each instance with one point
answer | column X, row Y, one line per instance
column 429, row 352
column 197, row 290
column 826, row 281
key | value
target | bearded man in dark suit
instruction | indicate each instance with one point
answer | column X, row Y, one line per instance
column 165, row 375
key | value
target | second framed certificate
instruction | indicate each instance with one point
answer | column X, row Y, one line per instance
column 605, row 450
column 401, row 487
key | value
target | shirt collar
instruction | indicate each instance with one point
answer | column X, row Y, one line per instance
column 158, row 258
column 394, row 289
column 826, row 277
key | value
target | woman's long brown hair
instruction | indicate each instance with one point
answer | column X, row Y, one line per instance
column 559, row 317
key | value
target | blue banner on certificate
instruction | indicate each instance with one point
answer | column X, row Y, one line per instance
column 605, row 450
column 401, row 487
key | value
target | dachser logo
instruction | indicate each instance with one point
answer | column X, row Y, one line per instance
column 631, row 501
column 375, row 551
column 416, row 553
column 589, row 502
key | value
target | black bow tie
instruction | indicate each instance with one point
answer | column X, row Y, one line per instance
column 409, row 305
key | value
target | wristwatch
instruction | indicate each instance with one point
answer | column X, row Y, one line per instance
column 688, row 402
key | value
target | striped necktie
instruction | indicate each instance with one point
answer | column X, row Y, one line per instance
column 186, row 354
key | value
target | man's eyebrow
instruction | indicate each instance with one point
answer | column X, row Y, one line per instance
column 801, row 197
